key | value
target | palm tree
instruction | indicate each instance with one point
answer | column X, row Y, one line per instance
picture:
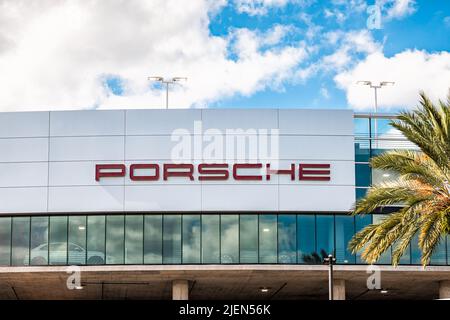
column 422, row 189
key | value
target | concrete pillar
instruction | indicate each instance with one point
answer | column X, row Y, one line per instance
column 180, row 290
column 444, row 290
column 339, row 289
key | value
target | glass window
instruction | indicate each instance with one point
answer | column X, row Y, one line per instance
column 416, row 253
column 5, row 241
column 361, row 221
column 39, row 241
column 361, row 193
column 58, row 240
column 362, row 175
column 96, row 240
column 386, row 257
column 362, row 150
column 325, row 235
column 210, row 238
column 77, row 240
column 439, row 254
column 287, row 238
column 306, row 239
column 20, row 241
column 345, row 229
column 448, row 250
column 153, row 239
column 191, row 238
column 229, row 238
column 172, row 239
column 362, row 128
column 380, row 176
column 134, row 239
column 115, row 239
column 268, row 238
column 248, row 238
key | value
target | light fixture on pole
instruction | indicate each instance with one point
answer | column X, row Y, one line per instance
column 167, row 82
column 330, row 260
column 375, row 86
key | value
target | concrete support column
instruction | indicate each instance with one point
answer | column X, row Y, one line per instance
column 339, row 289
column 180, row 290
column 444, row 290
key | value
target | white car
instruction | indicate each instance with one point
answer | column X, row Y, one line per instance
column 76, row 255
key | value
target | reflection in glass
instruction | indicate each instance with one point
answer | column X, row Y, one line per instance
column 20, row 241
column 134, row 239
column 39, row 241
column 287, row 238
column 115, row 235
column 5, row 241
column 172, row 239
column 363, row 175
column 345, row 229
column 229, row 236
column 77, row 240
column 386, row 257
column 361, row 221
column 153, row 239
column 210, row 238
column 248, row 238
column 416, row 253
column 268, row 238
column 439, row 254
column 96, row 240
column 58, row 240
column 306, row 239
column 191, row 238
column 325, row 234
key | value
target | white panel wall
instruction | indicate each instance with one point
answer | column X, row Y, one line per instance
column 47, row 161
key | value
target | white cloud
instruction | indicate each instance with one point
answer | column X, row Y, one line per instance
column 261, row 7
column 412, row 71
column 398, row 9
column 258, row 7
column 55, row 54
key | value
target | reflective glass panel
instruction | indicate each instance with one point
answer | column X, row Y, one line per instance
column 20, row 241
column 229, row 236
column 58, row 240
column 268, row 238
column 134, row 239
column 439, row 256
column 172, row 239
column 248, row 238
column 416, row 253
column 306, row 239
column 153, row 239
column 386, row 257
column 39, row 241
column 287, row 238
column 345, row 229
column 210, row 238
column 362, row 175
column 325, row 235
column 115, row 236
column 361, row 221
column 5, row 241
column 96, row 240
column 191, row 238
column 77, row 240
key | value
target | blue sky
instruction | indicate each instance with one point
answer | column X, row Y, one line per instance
column 59, row 55
column 425, row 29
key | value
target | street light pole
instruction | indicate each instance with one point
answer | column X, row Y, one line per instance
column 330, row 260
column 167, row 82
column 375, row 88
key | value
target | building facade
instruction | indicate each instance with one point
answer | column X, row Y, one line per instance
column 160, row 203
